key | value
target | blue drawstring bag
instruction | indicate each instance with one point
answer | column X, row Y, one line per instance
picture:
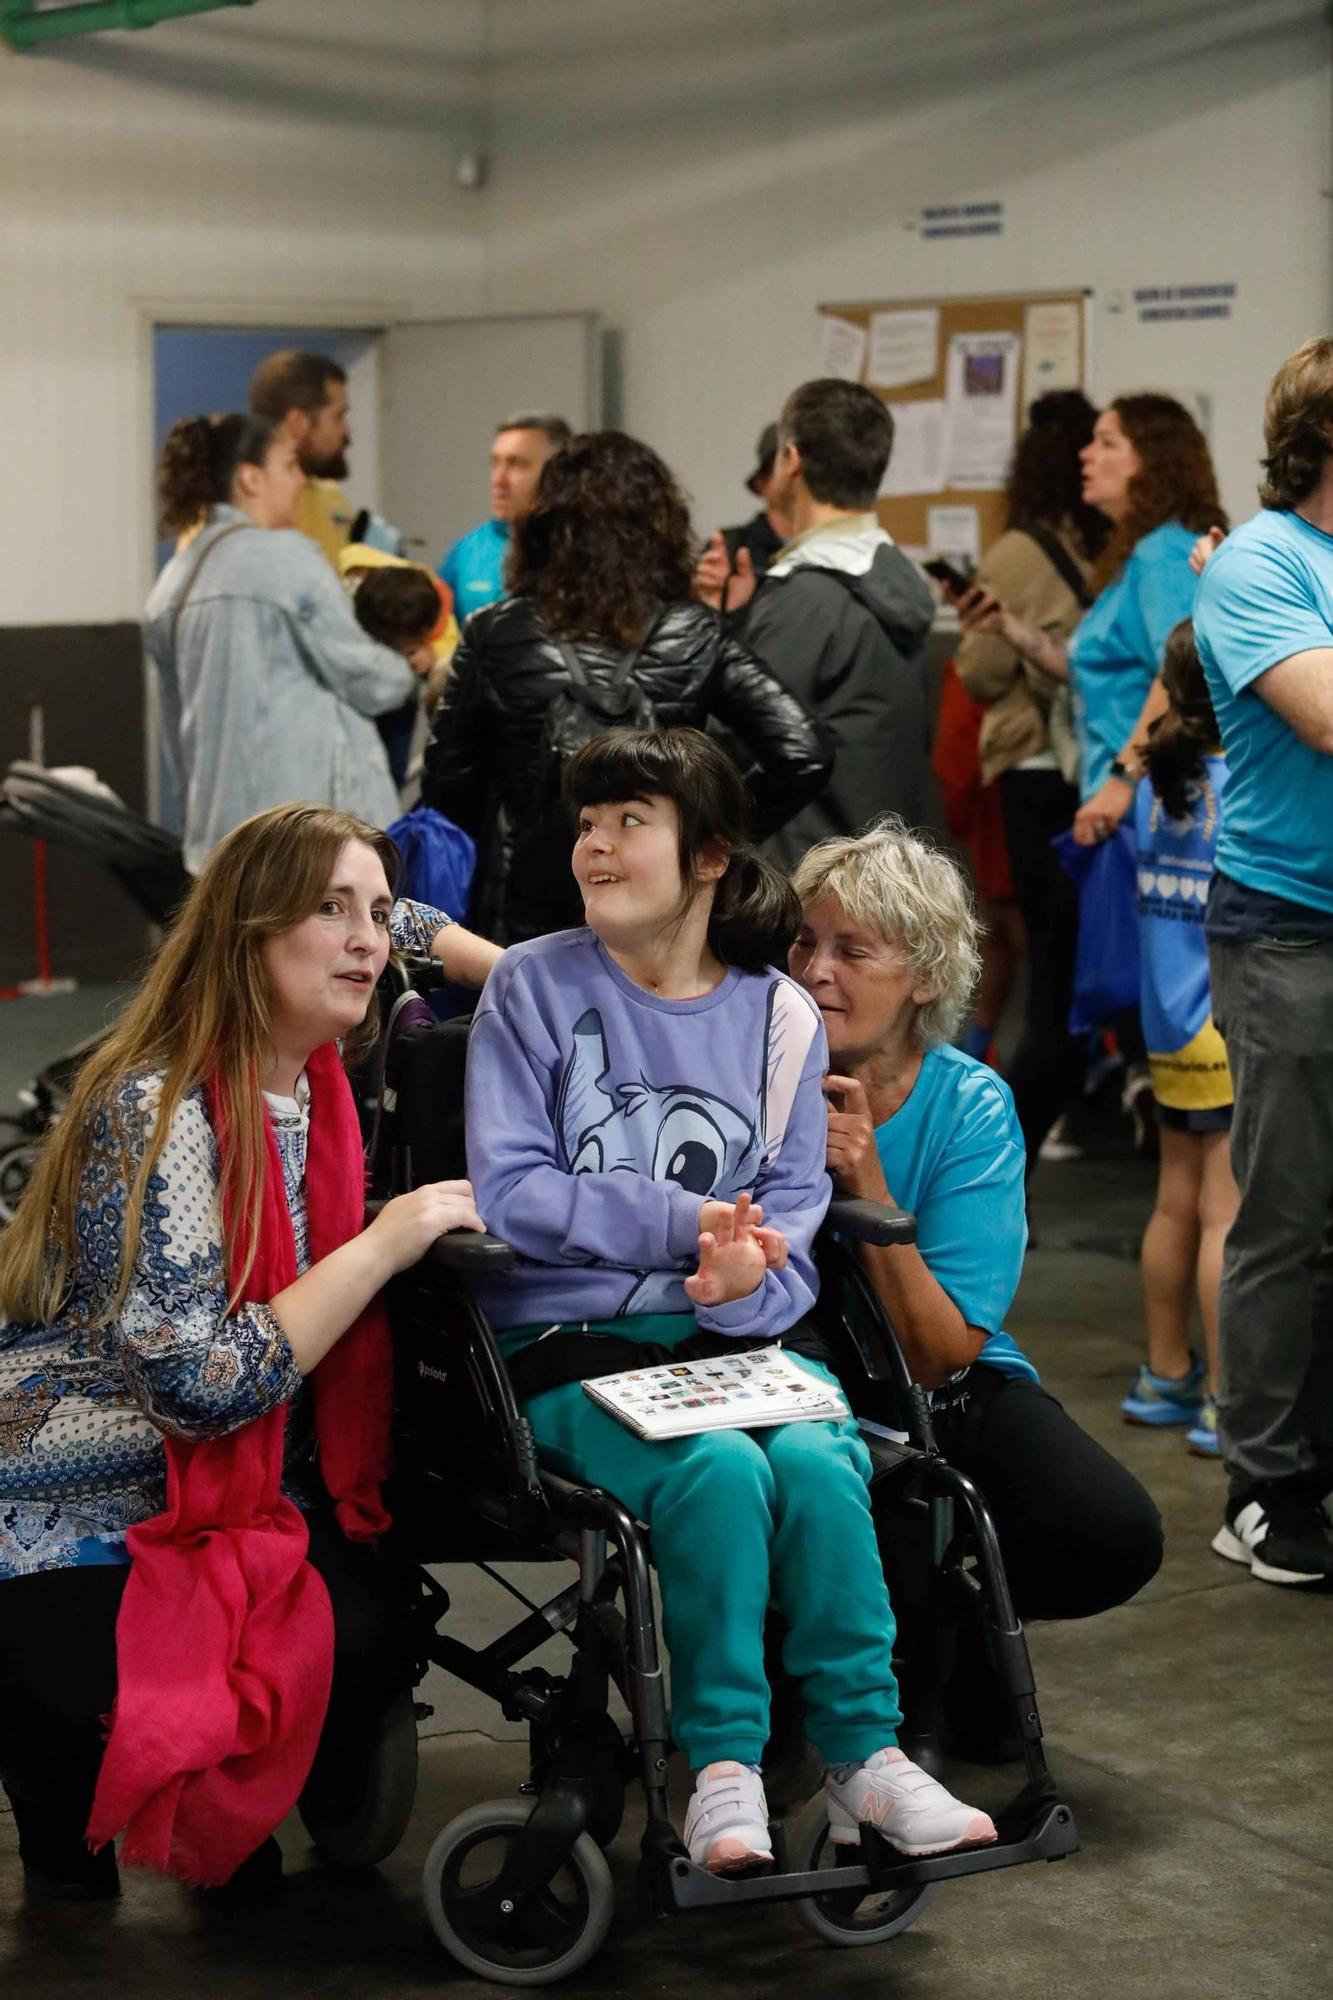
column 439, row 860
column 1106, row 970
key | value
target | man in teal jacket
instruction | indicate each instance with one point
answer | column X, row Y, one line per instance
column 474, row 567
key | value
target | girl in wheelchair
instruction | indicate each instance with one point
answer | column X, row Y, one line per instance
column 646, row 1127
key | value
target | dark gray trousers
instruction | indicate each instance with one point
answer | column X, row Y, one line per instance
column 1273, row 1002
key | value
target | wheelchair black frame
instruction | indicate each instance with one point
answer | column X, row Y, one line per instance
column 571, row 1521
column 577, row 1522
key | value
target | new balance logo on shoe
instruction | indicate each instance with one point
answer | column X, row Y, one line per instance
column 1283, row 1540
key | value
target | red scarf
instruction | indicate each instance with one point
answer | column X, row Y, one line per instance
column 224, row 1641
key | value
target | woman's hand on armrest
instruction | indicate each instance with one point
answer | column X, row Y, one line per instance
column 318, row 1308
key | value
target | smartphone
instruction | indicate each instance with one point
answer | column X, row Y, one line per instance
column 953, row 580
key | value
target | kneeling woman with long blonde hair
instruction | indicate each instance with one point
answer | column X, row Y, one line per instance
column 194, row 1378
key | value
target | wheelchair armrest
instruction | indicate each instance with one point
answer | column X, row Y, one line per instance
column 466, row 1250
column 461, row 1249
column 881, row 1222
column 417, row 974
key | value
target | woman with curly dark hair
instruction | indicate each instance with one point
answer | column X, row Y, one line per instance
column 600, row 576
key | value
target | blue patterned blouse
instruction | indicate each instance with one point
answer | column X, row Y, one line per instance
column 83, row 1404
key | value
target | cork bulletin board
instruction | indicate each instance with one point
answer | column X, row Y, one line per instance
column 958, row 374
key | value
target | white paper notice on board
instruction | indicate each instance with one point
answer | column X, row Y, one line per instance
column 982, row 380
column 1050, row 349
column 842, row 348
column 955, row 534
column 920, row 449
column 904, row 347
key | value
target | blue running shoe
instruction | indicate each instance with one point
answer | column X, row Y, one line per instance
column 1201, row 1437
column 1158, row 1399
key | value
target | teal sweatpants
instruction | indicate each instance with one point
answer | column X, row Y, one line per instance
column 739, row 1519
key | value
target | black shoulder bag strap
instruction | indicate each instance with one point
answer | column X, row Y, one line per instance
column 1058, row 556
column 232, row 528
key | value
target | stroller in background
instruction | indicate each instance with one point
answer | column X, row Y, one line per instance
column 77, row 812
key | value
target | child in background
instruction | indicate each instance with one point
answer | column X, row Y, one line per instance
column 1177, row 826
column 400, row 604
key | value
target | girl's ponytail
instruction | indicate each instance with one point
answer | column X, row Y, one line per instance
column 1180, row 741
column 199, row 461
column 756, row 914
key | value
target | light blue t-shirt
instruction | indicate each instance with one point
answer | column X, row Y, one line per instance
column 474, row 568
column 1266, row 594
column 1116, row 650
column 953, row 1155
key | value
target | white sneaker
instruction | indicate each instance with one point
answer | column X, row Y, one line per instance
column 726, row 1827
column 1057, row 1145
column 898, row 1799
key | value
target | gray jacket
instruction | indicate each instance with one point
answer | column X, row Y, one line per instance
column 268, row 684
column 841, row 620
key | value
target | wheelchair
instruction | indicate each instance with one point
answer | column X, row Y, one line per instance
column 518, row 1890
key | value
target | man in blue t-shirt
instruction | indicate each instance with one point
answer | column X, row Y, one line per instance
column 474, row 567
column 1264, row 624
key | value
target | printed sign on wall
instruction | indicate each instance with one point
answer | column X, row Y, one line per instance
column 1158, row 302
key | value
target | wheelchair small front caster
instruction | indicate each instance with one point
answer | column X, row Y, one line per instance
column 558, row 1930
column 854, row 1916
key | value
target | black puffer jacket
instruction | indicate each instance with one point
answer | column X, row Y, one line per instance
column 482, row 760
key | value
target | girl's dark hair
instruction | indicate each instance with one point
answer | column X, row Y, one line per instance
column 1045, row 484
column 1175, row 480
column 397, row 605
column 606, row 542
column 199, row 461
column 1180, row 741
column 755, row 914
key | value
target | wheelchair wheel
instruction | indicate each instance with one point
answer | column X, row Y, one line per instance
column 856, row 1916
column 17, row 1160
column 560, row 1931
column 358, row 1798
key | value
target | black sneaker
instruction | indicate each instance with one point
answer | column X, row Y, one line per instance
column 1283, row 1537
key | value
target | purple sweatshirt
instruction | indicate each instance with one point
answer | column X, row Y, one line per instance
column 593, row 1143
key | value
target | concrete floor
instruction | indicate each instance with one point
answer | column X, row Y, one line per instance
column 1189, row 1730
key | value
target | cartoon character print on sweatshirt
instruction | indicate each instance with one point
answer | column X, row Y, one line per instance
column 677, row 1132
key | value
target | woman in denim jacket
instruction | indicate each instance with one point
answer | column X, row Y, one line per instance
column 268, row 685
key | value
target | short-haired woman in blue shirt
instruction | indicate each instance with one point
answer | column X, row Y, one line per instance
column 887, row 950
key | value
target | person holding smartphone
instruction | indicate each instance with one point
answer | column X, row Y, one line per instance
column 1040, row 569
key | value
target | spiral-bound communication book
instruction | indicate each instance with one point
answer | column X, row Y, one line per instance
column 749, row 1391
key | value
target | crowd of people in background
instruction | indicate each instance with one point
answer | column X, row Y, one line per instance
column 1074, row 710
column 1143, row 703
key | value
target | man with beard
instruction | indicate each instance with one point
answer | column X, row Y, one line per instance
column 305, row 397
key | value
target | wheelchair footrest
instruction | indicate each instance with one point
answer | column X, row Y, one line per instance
column 1050, row 1837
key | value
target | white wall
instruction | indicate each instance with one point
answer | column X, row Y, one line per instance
column 700, row 172
column 705, row 175
column 290, row 163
